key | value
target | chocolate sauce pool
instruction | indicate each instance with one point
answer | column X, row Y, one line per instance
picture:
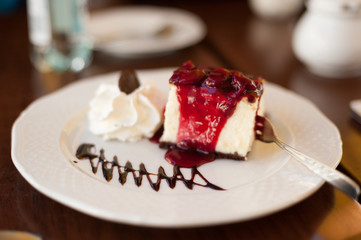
column 84, row 152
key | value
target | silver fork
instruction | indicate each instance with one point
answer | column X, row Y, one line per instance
column 265, row 133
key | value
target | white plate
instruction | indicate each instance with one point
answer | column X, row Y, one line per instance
column 130, row 31
column 47, row 134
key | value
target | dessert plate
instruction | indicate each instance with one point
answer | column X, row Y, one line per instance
column 47, row 134
column 144, row 30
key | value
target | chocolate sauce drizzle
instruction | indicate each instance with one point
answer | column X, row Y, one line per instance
column 84, row 152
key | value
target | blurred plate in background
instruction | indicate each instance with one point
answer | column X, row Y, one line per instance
column 144, row 30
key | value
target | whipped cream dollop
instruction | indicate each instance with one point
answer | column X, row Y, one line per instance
column 130, row 117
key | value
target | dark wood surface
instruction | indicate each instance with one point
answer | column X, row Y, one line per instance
column 235, row 39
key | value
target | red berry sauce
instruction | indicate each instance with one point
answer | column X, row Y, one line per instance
column 207, row 97
column 187, row 158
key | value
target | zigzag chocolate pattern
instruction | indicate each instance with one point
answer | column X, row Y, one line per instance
column 84, row 151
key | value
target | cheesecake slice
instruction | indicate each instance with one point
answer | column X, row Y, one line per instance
column 212, row 110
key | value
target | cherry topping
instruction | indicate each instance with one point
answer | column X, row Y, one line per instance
column 218, row 78
column 185, row 76
column 239, row 81
column 188, row 65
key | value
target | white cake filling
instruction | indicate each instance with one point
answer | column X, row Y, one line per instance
column 237, row 135
column 171, row 117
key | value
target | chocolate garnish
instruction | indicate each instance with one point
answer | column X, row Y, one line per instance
column 84, row 151
column 128, row 81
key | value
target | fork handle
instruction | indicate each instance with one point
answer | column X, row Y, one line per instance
column 332, row 176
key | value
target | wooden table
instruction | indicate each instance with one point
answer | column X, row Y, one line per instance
column 236, row 39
